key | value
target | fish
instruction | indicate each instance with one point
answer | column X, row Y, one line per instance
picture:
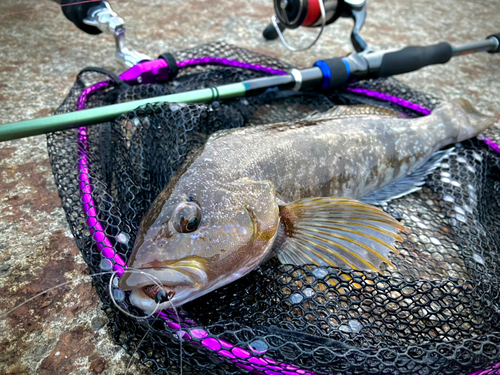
column 305, row 192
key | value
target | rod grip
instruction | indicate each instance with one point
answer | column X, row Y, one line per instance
column 413, row 58
column 497, row 37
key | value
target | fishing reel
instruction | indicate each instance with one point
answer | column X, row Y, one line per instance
column 291, row 14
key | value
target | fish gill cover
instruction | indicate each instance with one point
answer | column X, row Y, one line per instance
column 433, row 311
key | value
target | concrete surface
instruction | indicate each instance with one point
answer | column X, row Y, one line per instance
column 63, row 331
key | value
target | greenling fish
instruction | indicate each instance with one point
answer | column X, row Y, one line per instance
column 300, row 191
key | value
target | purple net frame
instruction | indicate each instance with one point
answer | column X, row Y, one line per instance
column 158, row 71
column 248, row 359
column 89, row 207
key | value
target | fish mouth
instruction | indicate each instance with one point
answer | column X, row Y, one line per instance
column 179, row 281
column 145, row 297
column 152, row 290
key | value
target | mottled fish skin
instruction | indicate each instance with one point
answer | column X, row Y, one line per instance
column 240, row 175
column 347, row 156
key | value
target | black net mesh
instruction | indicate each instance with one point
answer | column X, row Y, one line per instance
column 435, row 310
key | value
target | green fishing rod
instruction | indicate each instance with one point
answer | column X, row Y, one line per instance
column 325, row 74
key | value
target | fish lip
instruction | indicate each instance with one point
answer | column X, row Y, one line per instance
column 169, row 277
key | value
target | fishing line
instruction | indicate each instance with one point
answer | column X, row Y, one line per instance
column 151, row 277
column 54, row 287
column 160, row 286
column 179, row 334
column 113, row 273
column 136, row 349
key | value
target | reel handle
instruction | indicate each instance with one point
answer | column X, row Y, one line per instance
column 357, row 11
column 77, row 13
column 270, row 32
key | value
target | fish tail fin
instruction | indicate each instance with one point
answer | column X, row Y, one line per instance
column 464, row 120
column 479, row 121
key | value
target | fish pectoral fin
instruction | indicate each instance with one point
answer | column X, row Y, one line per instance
column 408, row 184
column 338, row 232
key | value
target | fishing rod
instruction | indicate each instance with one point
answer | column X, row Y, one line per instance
column 95, row 17
column 325, row 74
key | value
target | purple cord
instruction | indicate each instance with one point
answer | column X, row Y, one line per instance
column 242, row 358
column 229, row 62
column 89, row 207
column 495, row 370
column 389, row 98
column 494, row 146
column 158, row 71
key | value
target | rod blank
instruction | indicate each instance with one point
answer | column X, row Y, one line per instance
column 487, row 45
column 111, row 112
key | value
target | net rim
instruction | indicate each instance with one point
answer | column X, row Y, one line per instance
column 242, row 357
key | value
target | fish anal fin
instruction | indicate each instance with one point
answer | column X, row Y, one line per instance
column 337, row 232
column 408, row 184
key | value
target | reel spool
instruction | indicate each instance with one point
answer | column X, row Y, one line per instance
column 291, row 14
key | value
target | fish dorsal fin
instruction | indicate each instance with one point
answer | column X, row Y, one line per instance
column 356, row 111
column 408, row 184
column 338, row 232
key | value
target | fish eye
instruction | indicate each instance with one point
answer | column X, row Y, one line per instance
column 186, row 217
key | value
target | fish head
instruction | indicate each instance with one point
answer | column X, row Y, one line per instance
column 195, row 240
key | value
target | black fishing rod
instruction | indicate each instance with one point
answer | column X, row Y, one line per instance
column 325, row 74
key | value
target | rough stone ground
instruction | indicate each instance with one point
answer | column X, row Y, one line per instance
column 63, row 331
